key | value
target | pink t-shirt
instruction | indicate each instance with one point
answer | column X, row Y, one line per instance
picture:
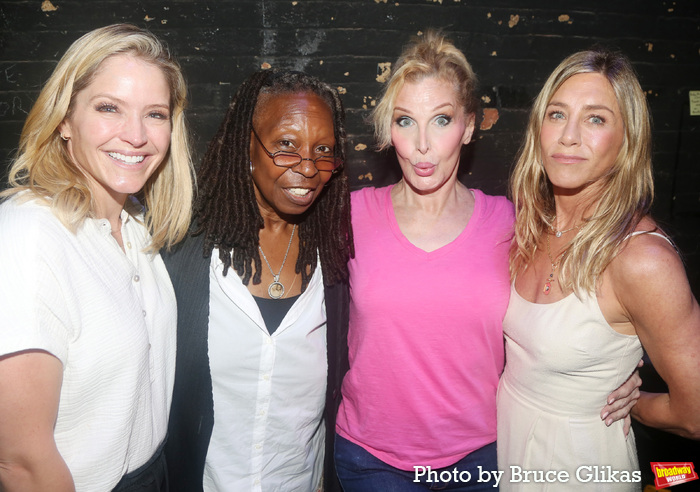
column 425, row 339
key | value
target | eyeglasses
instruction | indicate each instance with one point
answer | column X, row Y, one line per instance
column 291, row 159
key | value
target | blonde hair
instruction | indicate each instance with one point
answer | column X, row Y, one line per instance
column 430, row 55
column 44, row 167
column 628, row 186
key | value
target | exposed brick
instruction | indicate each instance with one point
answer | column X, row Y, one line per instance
column 512, row 45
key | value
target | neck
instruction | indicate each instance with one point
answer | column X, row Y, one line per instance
column 571, row 210
column 432, row 203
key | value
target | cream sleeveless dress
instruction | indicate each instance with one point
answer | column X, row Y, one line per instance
column 562, row 361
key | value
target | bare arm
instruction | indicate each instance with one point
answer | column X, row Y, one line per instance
column 650, row 282
column 30, row 386
column 621, row 401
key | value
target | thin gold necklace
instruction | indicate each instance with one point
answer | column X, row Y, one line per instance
column 548, row 283
column 559, row 233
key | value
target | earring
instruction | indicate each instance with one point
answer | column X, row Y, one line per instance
column 251, row 166
column 64, row 138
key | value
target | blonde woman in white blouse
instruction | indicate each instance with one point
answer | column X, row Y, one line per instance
column 87, row 337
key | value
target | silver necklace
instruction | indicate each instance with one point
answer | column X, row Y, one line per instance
column 276, row 290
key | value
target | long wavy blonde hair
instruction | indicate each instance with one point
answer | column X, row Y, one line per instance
column 429, row 55
column 627, row 189
column 44, row 168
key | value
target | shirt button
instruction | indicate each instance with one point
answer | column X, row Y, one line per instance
column 266, row 377
column 128, row 244
column 144, row 313
column 136, row 278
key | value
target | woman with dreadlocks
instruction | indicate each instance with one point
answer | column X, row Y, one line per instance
column 259, row 354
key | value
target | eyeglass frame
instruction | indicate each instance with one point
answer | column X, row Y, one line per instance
column 301, row 158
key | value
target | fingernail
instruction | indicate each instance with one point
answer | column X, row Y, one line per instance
column 605, row 415
column 608, row 422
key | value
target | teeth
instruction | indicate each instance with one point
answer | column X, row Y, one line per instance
column 129, row 159
column 299, row 191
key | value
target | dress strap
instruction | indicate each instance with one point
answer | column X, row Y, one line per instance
column 637, row 233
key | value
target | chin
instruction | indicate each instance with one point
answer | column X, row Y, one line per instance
column 425, row 185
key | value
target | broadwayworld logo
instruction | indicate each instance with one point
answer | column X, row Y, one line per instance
column 669, row 474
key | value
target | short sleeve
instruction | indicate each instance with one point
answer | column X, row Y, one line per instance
column 34, row 308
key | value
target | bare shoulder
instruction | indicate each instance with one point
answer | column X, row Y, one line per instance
column 650, row 282
column 646, row 253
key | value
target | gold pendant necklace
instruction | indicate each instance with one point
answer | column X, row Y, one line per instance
column 548, row 283
column 276, row 290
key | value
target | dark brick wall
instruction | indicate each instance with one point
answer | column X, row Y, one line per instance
column 513, row 45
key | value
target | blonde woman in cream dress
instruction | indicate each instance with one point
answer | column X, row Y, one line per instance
column 594, row 279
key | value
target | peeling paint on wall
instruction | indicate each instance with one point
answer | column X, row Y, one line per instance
column 380, row 1
column 365, row 99
column 360, row 146
column 490, row 118
column 486, row 99
column 514, row 19
column 367, row 176
column 650, row 46
column 565, row 18
column 265, row 66
column 47, row 6
column 494, row 53
column 341, row 90
column 383, row 71
column 149, row 19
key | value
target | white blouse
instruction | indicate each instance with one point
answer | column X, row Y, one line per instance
column 269, row 390
column 109, row 316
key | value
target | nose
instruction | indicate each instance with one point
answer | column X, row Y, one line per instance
column 134, row 131
column 307, row 167
column 571, row 133
column 423, row 142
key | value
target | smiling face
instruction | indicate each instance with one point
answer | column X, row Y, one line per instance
column 301, row 123
column 118, row 130
column 582, row 132
column 428, row 130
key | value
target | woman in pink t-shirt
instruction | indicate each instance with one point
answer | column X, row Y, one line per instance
column 429, row 287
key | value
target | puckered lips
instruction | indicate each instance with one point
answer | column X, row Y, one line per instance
column 424, row 169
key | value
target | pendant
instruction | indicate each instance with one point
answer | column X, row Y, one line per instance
column 548, row 284
column 275, row 290
column 558, row 233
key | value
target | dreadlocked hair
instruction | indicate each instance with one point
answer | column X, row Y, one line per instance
column 227, row 212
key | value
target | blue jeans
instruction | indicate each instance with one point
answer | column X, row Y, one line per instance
column 360, row 471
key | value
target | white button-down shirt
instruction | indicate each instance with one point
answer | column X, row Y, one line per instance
column 109, row 316
column 269, row 390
